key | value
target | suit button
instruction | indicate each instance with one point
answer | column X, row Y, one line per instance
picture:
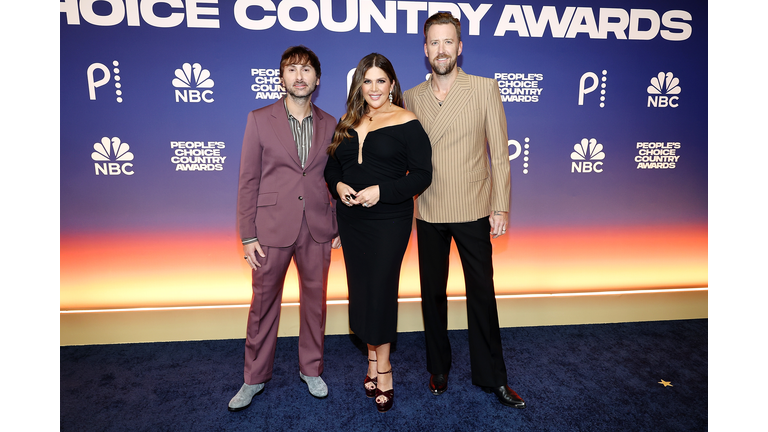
column 304, row 174
column 301, row 197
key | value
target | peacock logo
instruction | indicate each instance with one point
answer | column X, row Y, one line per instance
column 663, row 91
column 112, row 157
column 587, row 156
column 193, row 84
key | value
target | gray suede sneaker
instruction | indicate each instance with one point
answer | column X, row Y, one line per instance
column 317, row 387
column 243, row 398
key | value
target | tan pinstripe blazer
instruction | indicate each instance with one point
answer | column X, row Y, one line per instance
column 465, row 187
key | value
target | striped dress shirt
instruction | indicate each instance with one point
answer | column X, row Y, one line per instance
column 302, row 133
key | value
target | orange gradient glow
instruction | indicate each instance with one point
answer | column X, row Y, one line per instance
column 198, row 269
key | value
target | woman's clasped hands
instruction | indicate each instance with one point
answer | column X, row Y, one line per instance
column 367, row 197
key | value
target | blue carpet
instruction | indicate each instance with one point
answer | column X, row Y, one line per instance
column 598, row 377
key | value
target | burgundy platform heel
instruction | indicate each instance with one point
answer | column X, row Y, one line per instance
column 389, row 394
column 370, row 392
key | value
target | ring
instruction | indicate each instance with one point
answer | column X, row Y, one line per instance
column 365, row 204
column 245, row 257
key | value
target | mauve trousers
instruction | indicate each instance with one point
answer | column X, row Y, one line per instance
column 312, row 262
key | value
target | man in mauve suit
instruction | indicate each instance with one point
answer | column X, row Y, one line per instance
column 467, row 200
column 285, row 213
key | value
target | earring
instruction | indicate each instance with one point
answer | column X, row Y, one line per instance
column 390, row 98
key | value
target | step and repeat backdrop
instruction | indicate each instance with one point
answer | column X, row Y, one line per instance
column 606, row 104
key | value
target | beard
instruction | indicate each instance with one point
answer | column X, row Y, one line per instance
column 302, row 94
column 443, row 69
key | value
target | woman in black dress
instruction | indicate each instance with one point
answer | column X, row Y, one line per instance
column 380, row 159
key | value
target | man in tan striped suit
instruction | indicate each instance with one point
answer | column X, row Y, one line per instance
column 467, row 200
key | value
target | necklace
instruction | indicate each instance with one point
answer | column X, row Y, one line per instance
column 370, row 117
column 439, row 101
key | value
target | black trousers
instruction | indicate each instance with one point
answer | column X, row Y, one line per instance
column 475, row 251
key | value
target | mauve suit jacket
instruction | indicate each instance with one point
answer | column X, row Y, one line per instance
column 273, row 189
column 465, row 187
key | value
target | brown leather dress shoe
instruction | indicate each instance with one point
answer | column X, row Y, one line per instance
column 438, row 383
column 506, row 396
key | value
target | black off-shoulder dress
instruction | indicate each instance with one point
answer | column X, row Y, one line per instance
column 398, row 158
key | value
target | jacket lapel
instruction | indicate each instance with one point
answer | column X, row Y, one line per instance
column 426, row 109
column 282, row 130
column 453, row 105
column 318, row 132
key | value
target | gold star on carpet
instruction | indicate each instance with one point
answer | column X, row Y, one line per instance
column 666, row 383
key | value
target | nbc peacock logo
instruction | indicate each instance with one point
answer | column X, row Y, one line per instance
column 112, row 157
column 663, row 91
column 587, row 156
column 193, row 84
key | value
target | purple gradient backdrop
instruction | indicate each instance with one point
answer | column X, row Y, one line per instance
column 157, row 198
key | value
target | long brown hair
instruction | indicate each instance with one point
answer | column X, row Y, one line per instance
column 357, row 107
